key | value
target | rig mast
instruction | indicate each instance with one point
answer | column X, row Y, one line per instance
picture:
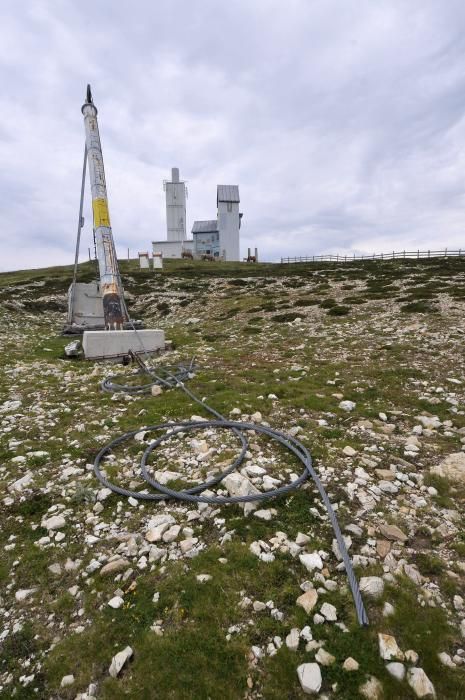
column 114, row 309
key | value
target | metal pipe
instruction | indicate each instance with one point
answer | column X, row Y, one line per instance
column 78, row 238
column 113, row 308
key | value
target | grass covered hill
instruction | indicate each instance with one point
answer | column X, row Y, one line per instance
column 364, row 363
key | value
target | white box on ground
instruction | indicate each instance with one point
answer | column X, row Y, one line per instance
column 98, row 345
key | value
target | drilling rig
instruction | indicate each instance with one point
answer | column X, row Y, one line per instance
column 98, row 309
column 114, row 311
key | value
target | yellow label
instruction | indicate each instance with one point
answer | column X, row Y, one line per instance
column 101, row 215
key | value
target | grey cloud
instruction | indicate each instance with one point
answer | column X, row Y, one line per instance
column 342, row 122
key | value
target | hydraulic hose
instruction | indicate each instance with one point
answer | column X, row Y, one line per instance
column 174, row 378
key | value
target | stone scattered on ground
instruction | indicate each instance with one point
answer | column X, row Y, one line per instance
column 310, row 678
column 119, row 660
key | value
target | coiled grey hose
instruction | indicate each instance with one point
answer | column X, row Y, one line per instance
column 174, row 379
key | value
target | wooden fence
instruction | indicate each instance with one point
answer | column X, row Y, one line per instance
column 406, row 254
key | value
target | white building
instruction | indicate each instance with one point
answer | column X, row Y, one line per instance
column 176, row 242
column 218, row 238
column 176, row 195
column 229, row 221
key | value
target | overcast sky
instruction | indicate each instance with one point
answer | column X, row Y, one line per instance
column 342, row 121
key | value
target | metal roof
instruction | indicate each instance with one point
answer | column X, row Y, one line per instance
column 210, row 226
column 227, row 193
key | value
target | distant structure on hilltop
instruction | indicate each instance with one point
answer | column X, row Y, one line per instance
column 220, row 237
column 176, row 242
column 215, row 239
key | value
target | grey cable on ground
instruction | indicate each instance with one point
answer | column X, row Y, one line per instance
column 174, row 378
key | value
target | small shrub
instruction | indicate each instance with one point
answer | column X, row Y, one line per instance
column 163, row 308
column 306, row 302
column 328, row 303
column 339, row 310
column 286, row 318
column 419, row 307
column 429, row 564
column 354, row 300
column 237, row 282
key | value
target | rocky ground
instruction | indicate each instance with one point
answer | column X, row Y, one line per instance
column 108, row 597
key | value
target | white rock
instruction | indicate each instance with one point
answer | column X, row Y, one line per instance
column 372, row 689
column 21, row 483
column 372, row 586
column 119, row 660
column 238, row 485
column 411, row 656
column 396, row 669
column 267, row 557
column 430, row 422
column 254, row 470
column 187, row 544
column 311, row 561
column 388, row 609
column 265, row 514
column 310, row 678
column 203, row 578
column 163, row 477
column 56, row 522
column 388, row 648
column 412, row 572
column 116, row 602
column 349, row 451
column 302, row 539
column 324, row 658
column 66, row 681
column 350, row 664
column 114, row 567
column 445, row 659
column 292, row 639
column 154, row 534
column 172, row 534
column 452, row 467
column 420, row 683
column 329, row 612
column 10, row 406
column 347, row 406
column 306, row 633
column 335, row 546
column 308, row 600
column 24, row 593
column 163, row 518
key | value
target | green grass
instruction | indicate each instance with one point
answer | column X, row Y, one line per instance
column 239, row 343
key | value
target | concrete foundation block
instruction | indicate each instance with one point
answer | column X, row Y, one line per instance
column 99, row 345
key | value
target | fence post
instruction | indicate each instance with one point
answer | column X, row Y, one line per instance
column 428, row 253
column 418, row 255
